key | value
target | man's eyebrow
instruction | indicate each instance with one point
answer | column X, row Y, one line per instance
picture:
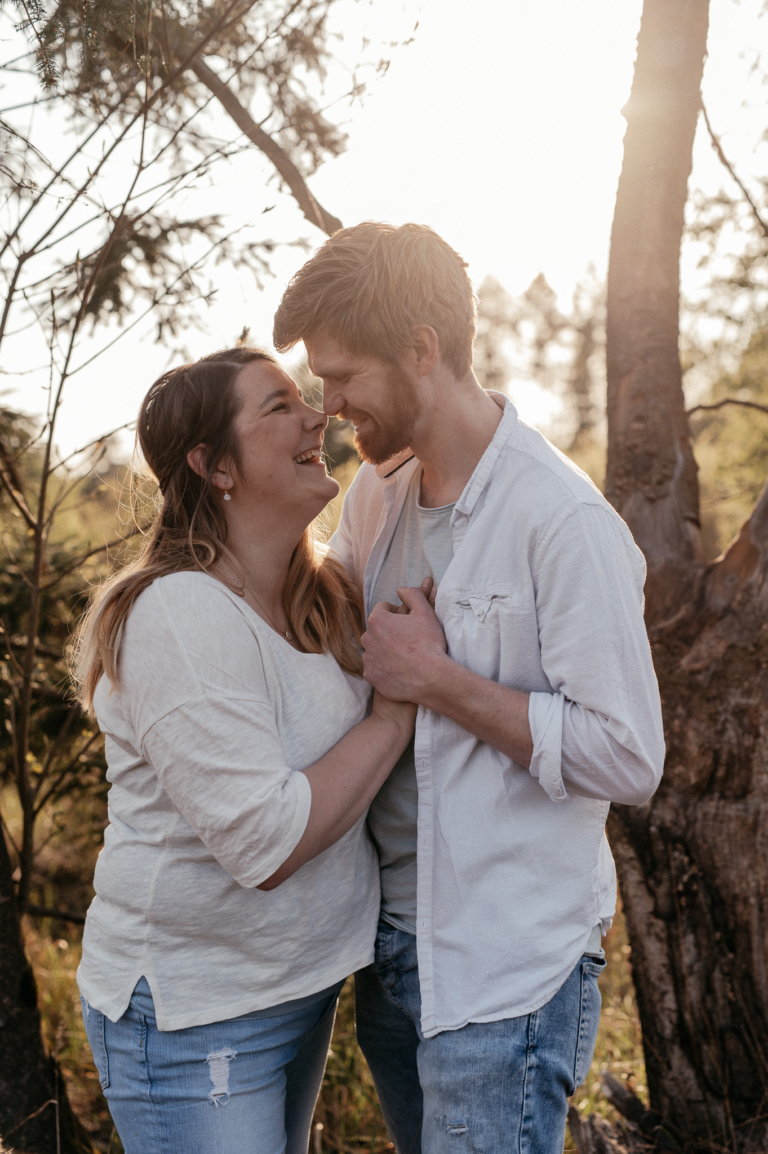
column 272, row 396
column 330, row 375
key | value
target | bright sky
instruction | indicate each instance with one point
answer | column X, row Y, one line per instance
column 499, row 126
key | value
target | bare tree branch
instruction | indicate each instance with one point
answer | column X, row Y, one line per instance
column 727, row 164
column 312, row 209
column 55, row 785
column 17, row 498
column 105, row 548
column 728, row 401
column 98, row 441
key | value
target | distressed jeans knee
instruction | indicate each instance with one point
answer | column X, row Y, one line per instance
column 218, row 1063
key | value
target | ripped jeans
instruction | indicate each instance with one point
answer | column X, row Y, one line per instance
column 489, row 1088
column 247, row 1085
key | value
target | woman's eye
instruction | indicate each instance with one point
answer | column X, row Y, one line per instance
column 282, row 406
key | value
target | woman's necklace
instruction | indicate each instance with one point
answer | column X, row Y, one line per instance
column 285, row 632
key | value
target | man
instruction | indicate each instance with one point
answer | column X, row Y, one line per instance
column 538, row 702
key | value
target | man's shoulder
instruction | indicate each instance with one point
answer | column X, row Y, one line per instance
column 529, row 451
column 558, row 503
column 542, row 480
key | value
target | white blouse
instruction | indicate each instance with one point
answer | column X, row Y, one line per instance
column 214, row 719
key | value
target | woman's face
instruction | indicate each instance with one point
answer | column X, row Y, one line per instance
column 279, row 439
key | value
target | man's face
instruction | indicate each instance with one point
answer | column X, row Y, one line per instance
column 379, row 398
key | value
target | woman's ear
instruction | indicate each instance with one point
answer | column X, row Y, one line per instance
column 221, row 478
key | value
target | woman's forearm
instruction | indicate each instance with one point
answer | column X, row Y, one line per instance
column 344, row 783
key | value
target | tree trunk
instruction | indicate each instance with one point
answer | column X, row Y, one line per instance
column 651, row 475
column 35, row 1115
column 691, row 863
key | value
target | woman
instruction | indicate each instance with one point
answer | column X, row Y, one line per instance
column 237, row 886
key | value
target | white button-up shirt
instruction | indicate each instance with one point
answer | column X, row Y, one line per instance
column 545, row 595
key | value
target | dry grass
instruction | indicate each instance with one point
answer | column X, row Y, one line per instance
column 619, row 1048
column 347, row 1110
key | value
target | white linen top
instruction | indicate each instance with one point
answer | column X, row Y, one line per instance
column 545, row 595
column 215, row 718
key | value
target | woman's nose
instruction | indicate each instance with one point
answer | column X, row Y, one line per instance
column 315, row 419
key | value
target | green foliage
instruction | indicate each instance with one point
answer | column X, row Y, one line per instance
column 64, row 755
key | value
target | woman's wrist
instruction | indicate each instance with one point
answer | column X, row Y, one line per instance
column 396, row 720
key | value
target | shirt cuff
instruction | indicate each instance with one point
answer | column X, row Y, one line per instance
column 545, row 717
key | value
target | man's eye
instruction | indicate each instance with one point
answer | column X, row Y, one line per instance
column 277, row 408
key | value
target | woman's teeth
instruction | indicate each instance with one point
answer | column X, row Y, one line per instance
column 309, row 455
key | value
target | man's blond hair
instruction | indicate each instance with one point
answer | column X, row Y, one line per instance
column 367, row 286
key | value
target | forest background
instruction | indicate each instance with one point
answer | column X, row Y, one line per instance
column 128, row 214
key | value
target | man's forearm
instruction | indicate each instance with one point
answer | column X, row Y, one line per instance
column 489, row 711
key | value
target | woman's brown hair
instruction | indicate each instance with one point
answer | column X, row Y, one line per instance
column 188, row 406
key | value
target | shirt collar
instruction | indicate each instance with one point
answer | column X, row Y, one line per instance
column 394, row 464
column 487, row 463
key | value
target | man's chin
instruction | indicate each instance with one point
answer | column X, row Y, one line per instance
column 374, row 448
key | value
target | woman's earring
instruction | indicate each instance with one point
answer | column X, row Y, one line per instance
column 227, row 497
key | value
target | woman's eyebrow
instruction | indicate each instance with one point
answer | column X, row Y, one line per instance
column 272, row 396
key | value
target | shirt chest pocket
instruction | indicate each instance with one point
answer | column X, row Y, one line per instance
column 495, row 633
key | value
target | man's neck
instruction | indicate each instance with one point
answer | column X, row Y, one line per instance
column 452, row 433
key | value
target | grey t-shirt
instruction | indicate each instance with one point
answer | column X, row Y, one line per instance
column 422, row 546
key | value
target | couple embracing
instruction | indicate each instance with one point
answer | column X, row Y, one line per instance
column 392, row 757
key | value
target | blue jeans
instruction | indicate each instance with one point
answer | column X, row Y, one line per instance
column 489, row 1088
column 247, row 1085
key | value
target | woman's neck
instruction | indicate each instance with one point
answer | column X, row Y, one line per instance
column 264, row 556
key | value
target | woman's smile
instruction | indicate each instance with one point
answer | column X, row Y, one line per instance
column 310, row 456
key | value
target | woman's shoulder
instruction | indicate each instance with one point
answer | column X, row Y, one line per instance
column 175, row 596
column 191, row 619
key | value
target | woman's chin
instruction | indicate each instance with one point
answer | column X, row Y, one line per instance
column 332, row 487
column 324, row 489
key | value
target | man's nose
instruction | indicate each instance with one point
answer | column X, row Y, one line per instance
column 333, row 402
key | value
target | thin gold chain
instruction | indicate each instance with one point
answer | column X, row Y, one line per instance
column 285, row 632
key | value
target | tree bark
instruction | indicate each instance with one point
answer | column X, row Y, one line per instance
column 651, row 474
column 691, row 863
column 35, row 1115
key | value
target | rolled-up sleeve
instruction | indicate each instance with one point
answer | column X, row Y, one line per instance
column 599, row 733
column 222, row 765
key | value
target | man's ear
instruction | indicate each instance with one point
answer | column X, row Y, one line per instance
column 425, row 344
column 221, row 478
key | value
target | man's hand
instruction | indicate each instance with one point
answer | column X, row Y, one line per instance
column 404, row 645
column 405, row 659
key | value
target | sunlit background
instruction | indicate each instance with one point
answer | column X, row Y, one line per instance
column 498, row 123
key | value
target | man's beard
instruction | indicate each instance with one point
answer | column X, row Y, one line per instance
column 381, row 440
